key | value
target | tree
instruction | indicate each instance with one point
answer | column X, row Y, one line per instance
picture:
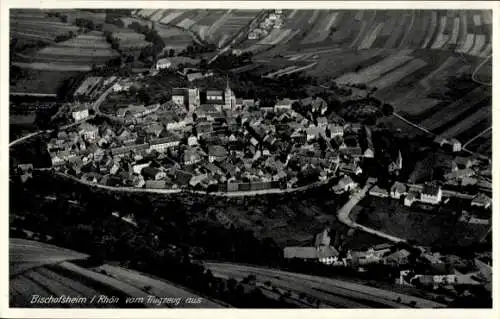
column 171, row 52
column 387, row 109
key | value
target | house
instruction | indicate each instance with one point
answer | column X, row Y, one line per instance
column 192, row 141
column 182, row 177
column 180, row 96
column 410, row 198
column 191, row 156
column 464, row 162
column 460, row 173
column 137, row 169
column 431, row 194
column 156, row 184
column 88, row 132
column 314, row 132
column 216, row 153
column 162, row 144
column 350, row 168
column 336, row 130
column 193, row 98
column 379, row 192
column 345, row 184
column 397, row 190
column 399, row 257
column 285, row 104
column 456, row 146
column 80, row 113
column 163, row 64
column 153, row 173
column 322, row 239
column 314, row 253
column 481, row 200
column 215, row 97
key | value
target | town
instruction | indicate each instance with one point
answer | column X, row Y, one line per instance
column 250, row 155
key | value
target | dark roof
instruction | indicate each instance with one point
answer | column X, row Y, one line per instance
column 179, row 91
column 215, row 92
column 430, row 189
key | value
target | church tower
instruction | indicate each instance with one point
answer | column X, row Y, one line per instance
column 229, row 98
column 399, row 161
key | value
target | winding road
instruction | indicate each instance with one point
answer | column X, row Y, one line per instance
column 344, row 212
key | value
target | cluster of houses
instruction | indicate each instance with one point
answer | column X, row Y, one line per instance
column 210, row 139
column 274, row 20
column 440, row 271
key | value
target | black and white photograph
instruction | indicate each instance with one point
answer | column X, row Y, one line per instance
column 249, row 157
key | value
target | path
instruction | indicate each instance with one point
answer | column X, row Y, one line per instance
column 344, row 212
column 413, row 124
column 477, row 136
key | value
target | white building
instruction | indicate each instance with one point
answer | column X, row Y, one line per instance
column 431, row 194
column 163, row 64
column 80, row 114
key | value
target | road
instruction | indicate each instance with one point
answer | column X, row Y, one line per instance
column 344, row 212
column 474, row 74
column 477, row 136
column 333, row 292
column 413, row 124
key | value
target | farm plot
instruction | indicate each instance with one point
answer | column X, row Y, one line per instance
column 454, row 109
column 235, row 21
column 441, row 38
column 370, row 38
column 482, row 144
column 84, row 50
column 482, row 114
column 398, row 31
column 364, row 28
column 335, row 64
column 373, row 72
column 467, row 45
column 171, row 15
column 419, row 30
column 38, row 28
column 431, row 30
column 478, row 44
column 394, row 76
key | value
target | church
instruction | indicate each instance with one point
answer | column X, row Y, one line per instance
column 194, row 98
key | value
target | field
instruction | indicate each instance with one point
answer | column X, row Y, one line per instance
column 29, row 26
column 212, row 26
column 78, row 54
column 39, row 81
column 424, row 227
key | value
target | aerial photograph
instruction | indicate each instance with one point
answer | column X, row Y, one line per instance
column 237, row 158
